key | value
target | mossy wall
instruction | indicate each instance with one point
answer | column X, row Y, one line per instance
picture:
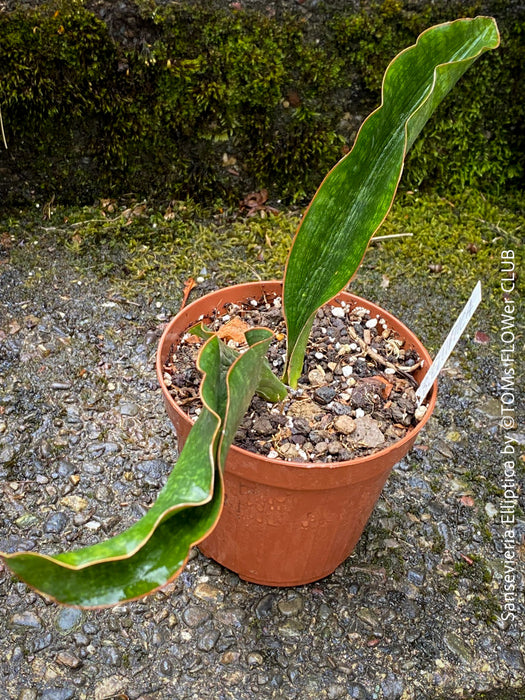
column 212, row 102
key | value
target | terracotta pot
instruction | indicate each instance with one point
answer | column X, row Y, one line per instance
column 288, row 523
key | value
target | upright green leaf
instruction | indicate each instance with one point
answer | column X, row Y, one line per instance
column 355, row 197
column 154, row 550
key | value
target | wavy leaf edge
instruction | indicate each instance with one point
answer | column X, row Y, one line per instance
column 216, row 445
column 290, row 377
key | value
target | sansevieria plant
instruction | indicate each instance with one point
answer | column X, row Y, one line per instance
column 345, row 213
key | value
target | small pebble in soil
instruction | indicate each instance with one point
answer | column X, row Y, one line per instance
column 420, row 412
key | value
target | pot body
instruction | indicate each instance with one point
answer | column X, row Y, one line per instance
column 289, row 523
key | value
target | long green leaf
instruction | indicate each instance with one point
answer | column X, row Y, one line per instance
column 355, row 197
column 154, row 550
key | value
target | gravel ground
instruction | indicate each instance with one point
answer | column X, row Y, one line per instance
column 84, row 448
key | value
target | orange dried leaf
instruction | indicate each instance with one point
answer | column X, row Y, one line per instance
column 188, row 286
column 379, row 383
column 233, row 330
column 467, row 501
column 388, row 386
column 469, row 561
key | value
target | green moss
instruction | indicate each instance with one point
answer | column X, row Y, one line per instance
column 200, row 108
column 140, row 246
column 471, row 140
column 476, row 571
column 145, row 244
column 481, row 602
column 214, row 103
column 454, row 242
column 438, row 543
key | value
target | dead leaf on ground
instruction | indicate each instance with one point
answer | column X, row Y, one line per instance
column 387, row 387
column 293, row 98
column 233, row 330
column 132, row 212
column 481, row 338
column 5, row 240
column 107, row 205
column 188, row 286
column 256, row 202
column 469, row 561
column 169, row 214
column 467, row 501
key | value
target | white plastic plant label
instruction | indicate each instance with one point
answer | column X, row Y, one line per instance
column 452, row 338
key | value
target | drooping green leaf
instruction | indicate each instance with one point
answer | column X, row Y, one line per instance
column 201, row 330
column 154, row 550
column 356, row 195
column 270, row 387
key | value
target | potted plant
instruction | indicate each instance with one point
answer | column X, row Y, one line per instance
column 257, row 514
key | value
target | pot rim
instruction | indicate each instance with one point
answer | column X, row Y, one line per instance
column 245, row 290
